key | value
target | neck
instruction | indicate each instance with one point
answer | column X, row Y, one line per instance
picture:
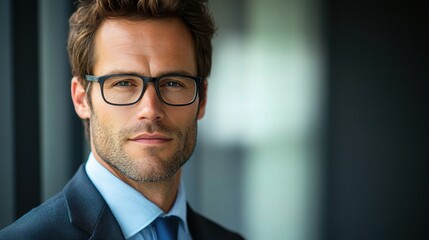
column 163, row 194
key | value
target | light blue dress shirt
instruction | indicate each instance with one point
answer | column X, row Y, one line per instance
column 133, row 211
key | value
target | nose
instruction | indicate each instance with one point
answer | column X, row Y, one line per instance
column 150, row 106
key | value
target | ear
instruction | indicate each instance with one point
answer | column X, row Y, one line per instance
column 203, row 102
column 79, row 99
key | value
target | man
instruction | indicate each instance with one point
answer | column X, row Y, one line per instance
column 140, row 80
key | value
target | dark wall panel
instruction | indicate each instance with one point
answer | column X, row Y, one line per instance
column 377, row 134
column 41, row 139
column 6, row 123
column 26, row 104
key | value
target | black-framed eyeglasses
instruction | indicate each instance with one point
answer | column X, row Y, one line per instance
column 128, row 89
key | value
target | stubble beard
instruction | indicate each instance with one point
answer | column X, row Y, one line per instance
column 153, row 168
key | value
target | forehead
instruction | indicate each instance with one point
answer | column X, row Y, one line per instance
column 144, row 46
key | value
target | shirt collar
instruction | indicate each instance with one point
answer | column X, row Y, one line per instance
column 132, row 210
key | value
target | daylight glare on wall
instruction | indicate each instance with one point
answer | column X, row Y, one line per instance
column 263, row 118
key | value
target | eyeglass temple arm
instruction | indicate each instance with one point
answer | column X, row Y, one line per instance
column 91, row 78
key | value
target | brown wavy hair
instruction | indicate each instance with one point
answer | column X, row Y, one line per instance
column 89, row 15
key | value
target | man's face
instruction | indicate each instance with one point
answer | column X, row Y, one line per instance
column 148, row 141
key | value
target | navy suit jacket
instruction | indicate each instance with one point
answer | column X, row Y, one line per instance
column 80, row 212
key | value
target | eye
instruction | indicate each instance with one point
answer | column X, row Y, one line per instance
column 173, row 84
column 123, row 83
column 176, row 83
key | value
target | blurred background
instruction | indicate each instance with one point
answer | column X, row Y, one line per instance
column 316, row 126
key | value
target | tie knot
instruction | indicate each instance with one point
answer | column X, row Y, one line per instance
column 167, row 227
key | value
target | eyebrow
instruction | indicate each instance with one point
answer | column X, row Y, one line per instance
column 163, row 73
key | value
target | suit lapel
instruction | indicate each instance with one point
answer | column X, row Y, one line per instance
column 107, row 227
column 203, row 228
column 196, row 225
column 87, row 209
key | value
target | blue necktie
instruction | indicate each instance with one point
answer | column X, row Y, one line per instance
column 167, row 227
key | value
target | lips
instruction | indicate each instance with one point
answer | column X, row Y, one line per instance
column 151, row 138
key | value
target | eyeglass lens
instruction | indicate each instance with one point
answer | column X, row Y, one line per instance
column 127, row 89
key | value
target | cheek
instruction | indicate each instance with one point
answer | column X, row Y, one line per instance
column 183, row 116
column 113, row 118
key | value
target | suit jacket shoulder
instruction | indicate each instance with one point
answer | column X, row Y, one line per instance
column 80, row 212
column 203, row 228
column 46, row 221
column 77, row 212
